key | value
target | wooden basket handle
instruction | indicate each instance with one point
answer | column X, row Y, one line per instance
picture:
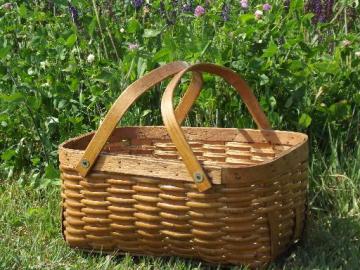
column 127, row 98
column 173, row 127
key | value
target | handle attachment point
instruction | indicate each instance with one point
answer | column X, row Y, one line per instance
column 85, row 163
column 198, row 177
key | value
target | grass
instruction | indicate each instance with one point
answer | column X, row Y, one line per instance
column 31, row 236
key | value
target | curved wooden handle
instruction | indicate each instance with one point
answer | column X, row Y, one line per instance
column 175, row 132
column 127, row 98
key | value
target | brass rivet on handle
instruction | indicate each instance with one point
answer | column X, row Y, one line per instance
column 85, row 163
column 198, row 177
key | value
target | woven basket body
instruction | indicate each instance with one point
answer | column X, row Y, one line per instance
column 140, row 199
column 233, row 196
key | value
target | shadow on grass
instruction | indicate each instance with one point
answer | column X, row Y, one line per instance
column 329, row 243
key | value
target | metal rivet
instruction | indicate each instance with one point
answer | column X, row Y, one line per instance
column 85, row 163
column 198, row 177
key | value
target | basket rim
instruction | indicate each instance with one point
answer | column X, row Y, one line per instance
column 302, row 139
column 295, row 133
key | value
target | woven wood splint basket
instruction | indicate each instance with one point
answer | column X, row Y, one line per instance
column 233, row 196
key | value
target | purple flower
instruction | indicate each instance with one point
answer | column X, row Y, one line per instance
column 244, row 4
column 329, row 9
column 137, row 3
column 266, row 7
column 286, row 5
column 199, row 11
column 188, row 6
column 225, row 13
column 162, row 9
column 133, row 46
column 318, row 8
column 74, row 13
column 323, row 10
column 175, row 3
column 169, row 16
column 171, row 20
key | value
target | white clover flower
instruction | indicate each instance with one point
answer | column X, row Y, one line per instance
column 258, row 14
column 133, row 46
column 346, row 43
column 31, row 71
column 90, row 58
column 357, row 54
column 43, row 64
column 45, row 84
column 146, row 10
column 122, row 30
column 7, row 6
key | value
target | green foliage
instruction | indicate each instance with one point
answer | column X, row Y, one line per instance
column 59, row 75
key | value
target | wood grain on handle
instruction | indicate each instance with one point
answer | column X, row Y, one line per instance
column 127, row 98
column 173, row 127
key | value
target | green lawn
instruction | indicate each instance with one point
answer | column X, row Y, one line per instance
column 31, row 237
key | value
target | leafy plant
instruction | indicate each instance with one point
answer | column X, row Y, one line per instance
column 62, row 65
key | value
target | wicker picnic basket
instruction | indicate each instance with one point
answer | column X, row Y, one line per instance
column 223, row 195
